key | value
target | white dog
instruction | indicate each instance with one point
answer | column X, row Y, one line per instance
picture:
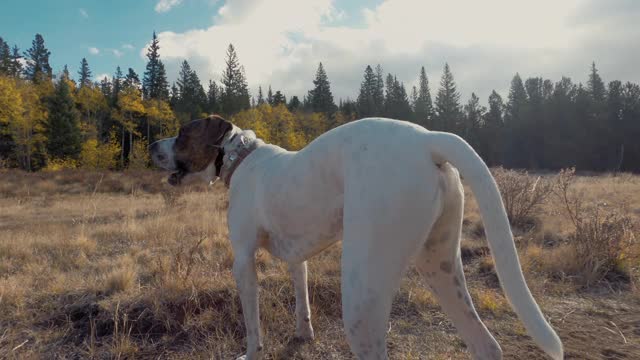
column 389, row 190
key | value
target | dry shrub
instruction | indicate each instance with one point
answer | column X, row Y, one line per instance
column 60, row 164
column 522, row 194
column 603, row 240
column 121, row 279
column 557, row 264
column 171, row 197
column 489, row 302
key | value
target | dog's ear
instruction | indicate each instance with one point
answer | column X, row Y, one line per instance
column 198, row 142
column 215, row 129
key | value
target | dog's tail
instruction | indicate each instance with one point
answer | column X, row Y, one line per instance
column 445, row 147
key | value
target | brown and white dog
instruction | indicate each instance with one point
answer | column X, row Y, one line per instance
column 390, row 190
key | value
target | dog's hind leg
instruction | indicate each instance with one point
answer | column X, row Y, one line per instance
column 440, row 263
column 381, row 232
column 304, row 330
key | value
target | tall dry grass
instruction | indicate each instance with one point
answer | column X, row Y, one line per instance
column 112, row 265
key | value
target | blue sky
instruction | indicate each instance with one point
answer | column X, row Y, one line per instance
column 280, row 42
column 118, row 29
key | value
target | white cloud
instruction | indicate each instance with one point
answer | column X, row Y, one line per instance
column 94, row 51
column 484, row 42
column 117, row 53
column 127, row 46
column 166, row 5
column 99, row 77
column 83, row 13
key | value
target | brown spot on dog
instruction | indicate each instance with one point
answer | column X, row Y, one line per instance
column 446, row 267
column 197, row 144
column 456, row 282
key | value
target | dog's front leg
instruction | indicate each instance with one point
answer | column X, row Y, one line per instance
column 244, row 271
column 304, row 330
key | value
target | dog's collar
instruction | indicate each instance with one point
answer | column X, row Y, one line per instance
column 228, row 161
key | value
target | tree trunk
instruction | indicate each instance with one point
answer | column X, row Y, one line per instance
column 122, row 148
column 620, row 160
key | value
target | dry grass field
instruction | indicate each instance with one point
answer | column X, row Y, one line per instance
column 119, row 266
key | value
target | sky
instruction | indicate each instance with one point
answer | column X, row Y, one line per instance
column 281, row 42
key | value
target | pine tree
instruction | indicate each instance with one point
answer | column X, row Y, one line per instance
column 236, row 91
column 473, row 117
column 595, row 86
column 65, row 73
column 85, row 73
column 132, row 79
column 270, row 96
column 347, row 110
column 155, row 82
column 106, row 87
column 600, row 132
column 397, row 102
column 184, row 77
column 38, row 68
column 378, row 93
column 320, row 97
column 191, row 98
column 294, row 103
column 423, row 106
column 260, row 96
column 514, row 118
column 117, row 85
column 366, row 102
column 16, row 65
column 492, row 131
column 447, row 105
column 200, row 96
column 63, row 131
column 414, row 98
column 517, row 101
column 5, row 57
column 389, row 99
column 213, row 98
column 279, row 98
column 628, row 158
column 174, row 97
column 534, row 123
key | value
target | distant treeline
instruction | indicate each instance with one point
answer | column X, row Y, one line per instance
column 49, row 121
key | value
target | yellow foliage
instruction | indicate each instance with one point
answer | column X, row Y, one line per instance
column 23, row 115
column 10, row 102
column 313, row 124
column 139, row 156
column 159, row 114
column 489, row 301
column 95, row 155
column 60, row 164
column 273, row 124
column 130, row 104
column 90, row 101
